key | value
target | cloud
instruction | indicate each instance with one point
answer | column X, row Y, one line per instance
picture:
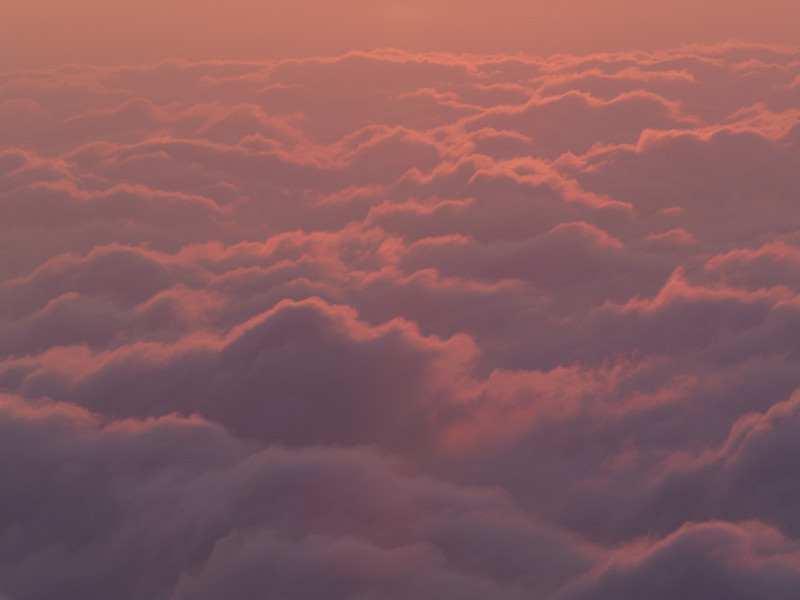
column 174, row 507
column 744, row 478
column 400, row 325
column 716, row 560
column 304, row 372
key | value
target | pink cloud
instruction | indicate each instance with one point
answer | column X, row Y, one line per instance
column 722, row 559
column 402, row 325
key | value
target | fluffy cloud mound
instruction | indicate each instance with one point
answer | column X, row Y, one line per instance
column 397, row 325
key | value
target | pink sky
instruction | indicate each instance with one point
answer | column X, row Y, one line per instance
column 37, row 33
column 342, row 321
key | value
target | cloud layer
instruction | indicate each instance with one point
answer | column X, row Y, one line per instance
column 397, row 325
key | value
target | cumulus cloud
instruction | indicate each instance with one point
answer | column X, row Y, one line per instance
column 713, row 560
column 398, row 325
column 179, row 508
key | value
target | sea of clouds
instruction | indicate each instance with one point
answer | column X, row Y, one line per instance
column 402, row 326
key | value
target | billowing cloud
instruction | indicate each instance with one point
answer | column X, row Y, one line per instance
column 402, row 325
column 179, row 508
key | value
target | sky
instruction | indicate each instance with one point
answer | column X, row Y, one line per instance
column 399, row 301
column 48, row 33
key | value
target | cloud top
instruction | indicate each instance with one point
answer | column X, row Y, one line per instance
column 397, row 325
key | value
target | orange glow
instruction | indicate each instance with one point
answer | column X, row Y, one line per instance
column 52, row 32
